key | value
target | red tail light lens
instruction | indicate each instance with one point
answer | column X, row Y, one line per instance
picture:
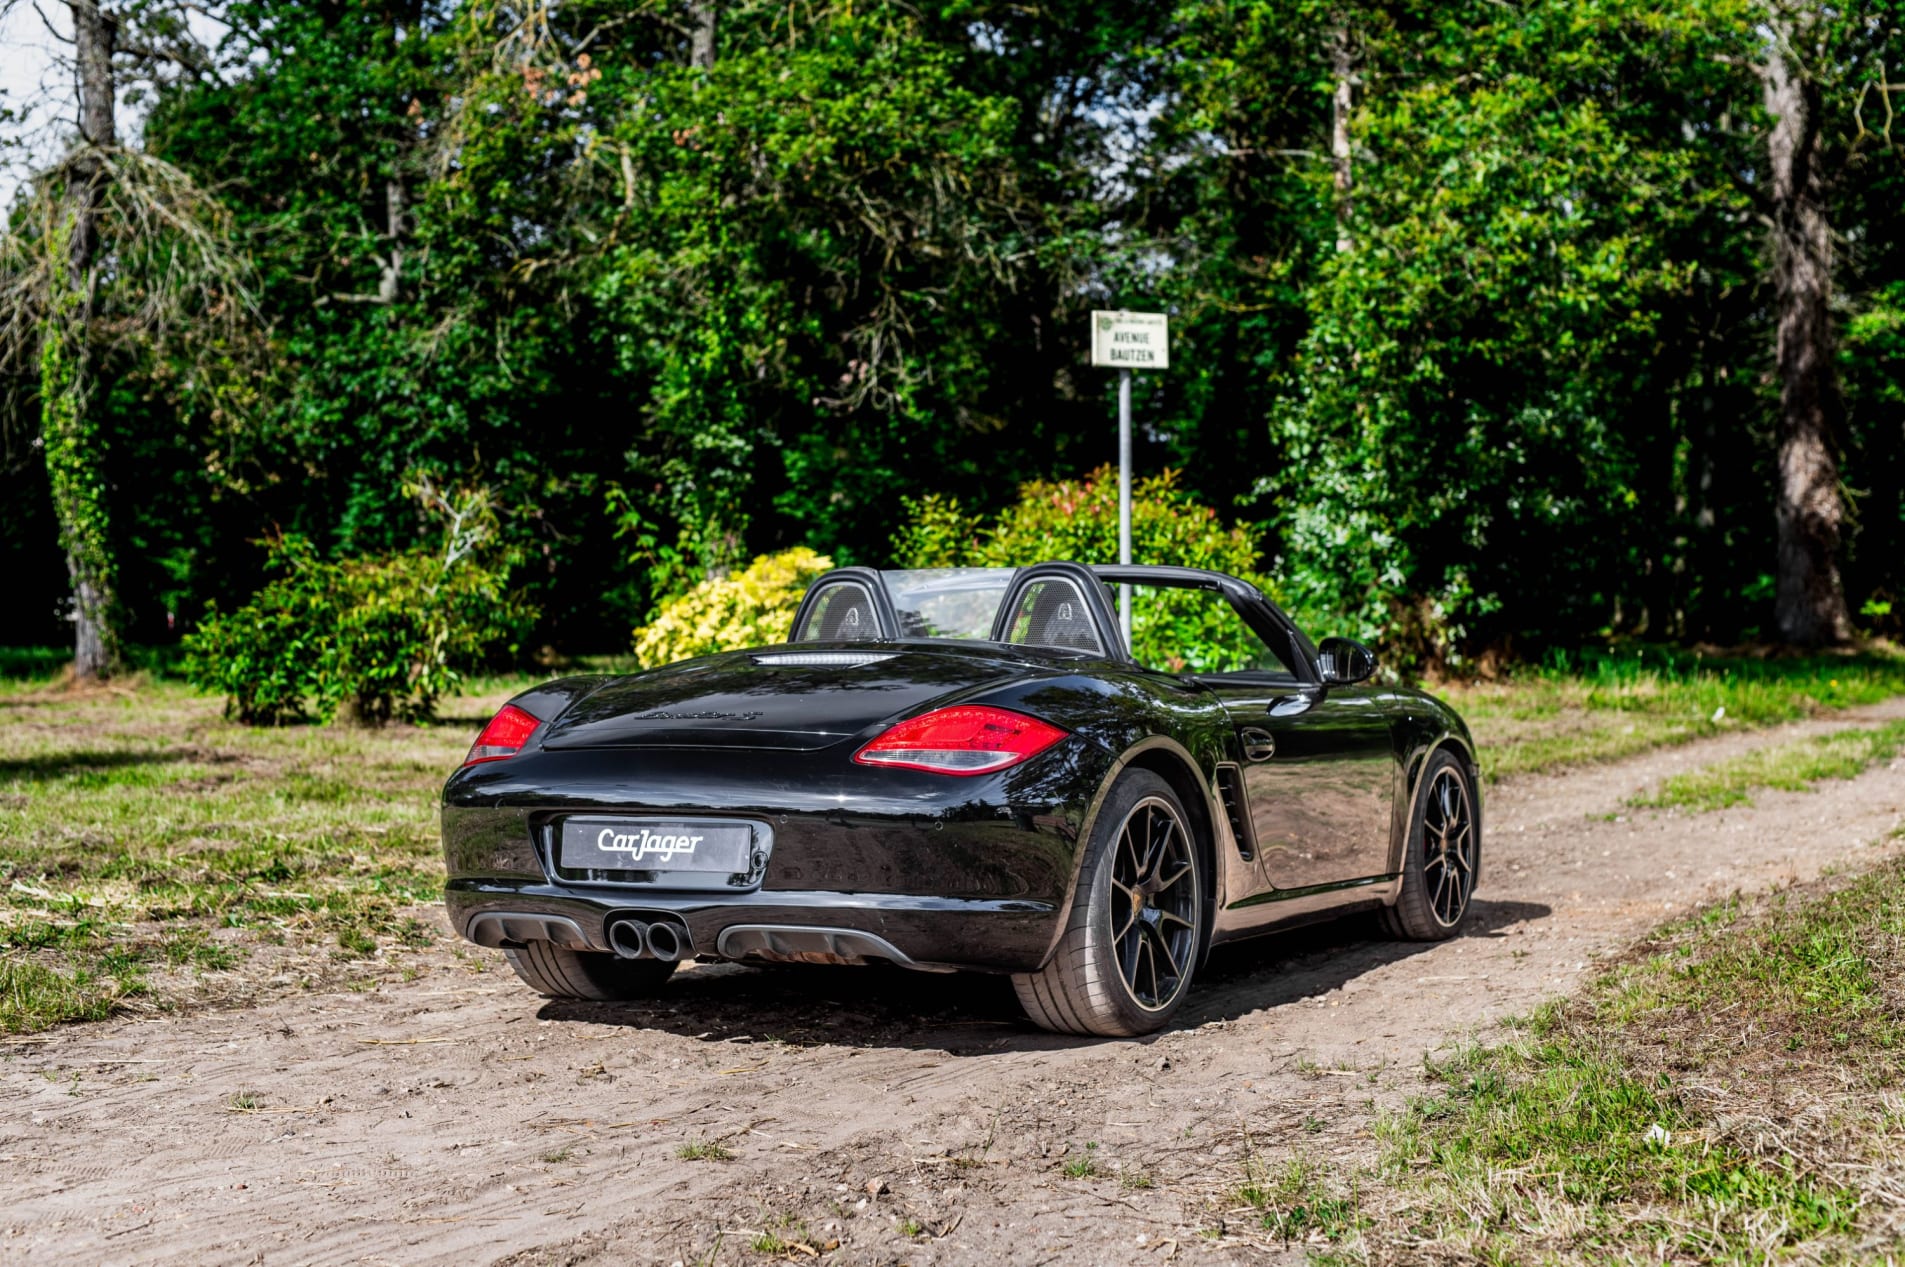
column 504, row 737
column 967, row 739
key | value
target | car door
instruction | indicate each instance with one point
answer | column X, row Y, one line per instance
column 1318, row 764
column 1319, row 776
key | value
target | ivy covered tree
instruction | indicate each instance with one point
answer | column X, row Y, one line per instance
column 113, row 256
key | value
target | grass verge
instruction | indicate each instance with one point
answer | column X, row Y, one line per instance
column 1789, row 767
column 1601, row 706
column 1729, row 1093
column 149, row 848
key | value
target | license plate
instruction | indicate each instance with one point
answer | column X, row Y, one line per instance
column 656, row 844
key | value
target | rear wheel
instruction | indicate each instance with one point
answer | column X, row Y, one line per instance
column 1445, row 843
column 1125, row 961
column 562, row 973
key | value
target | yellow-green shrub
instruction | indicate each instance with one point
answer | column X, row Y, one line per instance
column 749, row 608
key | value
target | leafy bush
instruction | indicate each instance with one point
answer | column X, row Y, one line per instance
column 376, row 637
column 1078, row 520
column 749, row 608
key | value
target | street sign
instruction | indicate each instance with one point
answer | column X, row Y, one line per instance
column 1130, row 340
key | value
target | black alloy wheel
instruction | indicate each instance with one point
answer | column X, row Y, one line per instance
column 1136, row 930
column 1153, row 898
column 1448, row 864
column 1443, row 857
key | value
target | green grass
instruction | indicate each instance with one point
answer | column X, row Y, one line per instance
column 704, row 1150
column 1296, row 1201
column 1790, row 767
column 1601, row 706
column 1085, row 1164
column 1719, row 1097
column 148, row 846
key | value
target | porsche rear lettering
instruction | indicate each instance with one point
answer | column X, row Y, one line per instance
column 661, row 846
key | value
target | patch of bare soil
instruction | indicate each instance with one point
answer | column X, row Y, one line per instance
column 860, row 1116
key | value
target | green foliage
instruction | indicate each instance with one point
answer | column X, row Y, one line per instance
column 749, row 608
column 1473, row 435
column 1077, row 520
column 71, row 435
column 378, row 637
column 1507, row 388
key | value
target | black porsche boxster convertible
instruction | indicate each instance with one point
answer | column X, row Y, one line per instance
column 968, row 769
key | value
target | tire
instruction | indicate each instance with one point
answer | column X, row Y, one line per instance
column 1088, row 986
column 1443, row 855
column 562, row 973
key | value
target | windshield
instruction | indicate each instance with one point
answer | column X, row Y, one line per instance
column 947, row 602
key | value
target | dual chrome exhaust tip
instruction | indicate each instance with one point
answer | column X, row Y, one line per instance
column 663, row 939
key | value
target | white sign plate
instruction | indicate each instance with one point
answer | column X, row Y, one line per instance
column 1131, row 340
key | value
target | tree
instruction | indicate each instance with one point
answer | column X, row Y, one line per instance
column 114, row 254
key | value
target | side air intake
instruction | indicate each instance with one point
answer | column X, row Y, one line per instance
column 1230, row 787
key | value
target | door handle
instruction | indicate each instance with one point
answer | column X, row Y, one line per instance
column 1259, row 745
column 1295, row 705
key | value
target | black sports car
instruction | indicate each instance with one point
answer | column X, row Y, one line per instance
column 968, row 769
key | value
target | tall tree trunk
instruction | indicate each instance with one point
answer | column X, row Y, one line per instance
column 68, row 428
column 1343, row 69
column 1809, row 603
column 702, row 13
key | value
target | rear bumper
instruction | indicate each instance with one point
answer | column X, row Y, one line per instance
column 969, row 873
column 988, row 935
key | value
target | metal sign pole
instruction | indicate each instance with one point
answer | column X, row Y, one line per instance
column 1125, row 341
column 1124, row 500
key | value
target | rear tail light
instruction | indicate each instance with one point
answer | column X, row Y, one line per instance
column 967, row 739
column 504, row 737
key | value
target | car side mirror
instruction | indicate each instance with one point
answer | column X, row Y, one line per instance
column 1344, row 662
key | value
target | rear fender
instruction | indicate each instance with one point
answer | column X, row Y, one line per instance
column 1169, row 759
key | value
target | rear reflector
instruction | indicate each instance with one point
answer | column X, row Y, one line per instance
column 966, row 739
column 505, row 736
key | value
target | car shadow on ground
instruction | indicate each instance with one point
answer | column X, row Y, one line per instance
column 972, row 1014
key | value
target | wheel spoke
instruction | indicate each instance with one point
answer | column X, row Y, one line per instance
column 1128, row 957
column 1163, row 946
column 1129, row 848
column 1154, row 855
column 1175, row 918
column 1177, row 875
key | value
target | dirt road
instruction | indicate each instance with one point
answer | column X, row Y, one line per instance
column 909, row 1118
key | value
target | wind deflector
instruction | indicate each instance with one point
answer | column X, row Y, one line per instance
column 846, row 605
column 1059, row 605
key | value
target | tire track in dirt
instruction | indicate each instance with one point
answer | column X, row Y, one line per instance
column 459, row 1118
